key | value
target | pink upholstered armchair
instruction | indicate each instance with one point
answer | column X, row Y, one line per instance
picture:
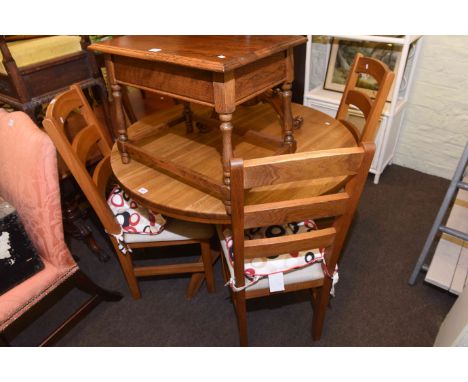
column 29, row 181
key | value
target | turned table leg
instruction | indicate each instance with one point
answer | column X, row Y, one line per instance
column 226, row 131
column 188, row 118
column 287, row 121
column 119, row 116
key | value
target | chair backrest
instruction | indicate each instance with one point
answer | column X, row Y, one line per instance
column 353, row 95
column 29, row 181
column 76, row 152
column 350, row 163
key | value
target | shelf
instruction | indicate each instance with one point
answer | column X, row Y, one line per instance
column 407, row 39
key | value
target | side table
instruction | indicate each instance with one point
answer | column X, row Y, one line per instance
column 217, row 71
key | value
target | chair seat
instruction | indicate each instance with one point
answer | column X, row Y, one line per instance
column 19, row 299
column 141, row 225
column 33, row 51
column 291, row 276
column 174, row 230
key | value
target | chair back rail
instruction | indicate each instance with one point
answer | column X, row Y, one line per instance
column 295, row 210
column 283, row 244
column 301, row 166
column 371, row 108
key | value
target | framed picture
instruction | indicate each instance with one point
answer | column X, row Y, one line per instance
column 341, row 58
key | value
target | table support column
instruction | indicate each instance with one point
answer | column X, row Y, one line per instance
column 188, row 118
column 119, row 116
column 226, row 131
column 287, row 121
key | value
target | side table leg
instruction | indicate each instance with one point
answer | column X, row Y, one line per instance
column 188, row 118
column 119, row 116
column 226, row 131
column 287, row 121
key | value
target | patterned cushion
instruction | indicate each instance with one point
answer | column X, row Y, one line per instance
column 132, row 217
column 33, row 51
column 264, row 266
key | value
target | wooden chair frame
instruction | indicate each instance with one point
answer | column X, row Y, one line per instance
column 370, row 108
column 352, row 163
column 75, row 155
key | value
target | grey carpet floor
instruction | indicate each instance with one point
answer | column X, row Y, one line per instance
column 374, row 305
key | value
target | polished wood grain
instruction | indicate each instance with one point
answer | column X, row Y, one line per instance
column 203, row 152
column 201, row 52
column 193, row 69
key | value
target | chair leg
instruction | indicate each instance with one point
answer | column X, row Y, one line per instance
column 207, row 265
column 85, row 284
column 127, row 268
column 74, row 225
column 241, row 310
column 322, row 298
column 101, row 94
column 197, row 278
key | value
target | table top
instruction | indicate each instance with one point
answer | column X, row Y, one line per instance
column 202, row 151
column 214, row 53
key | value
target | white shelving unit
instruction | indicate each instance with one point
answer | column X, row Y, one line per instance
column 327, row 101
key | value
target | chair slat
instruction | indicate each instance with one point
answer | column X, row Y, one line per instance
column 302, row 166
column 61, row 107
column 101, row 175
column 352, row 128
column 295, row 210
column 375, row 68
column 361, row 100
column 85, row 141
column 289, row 243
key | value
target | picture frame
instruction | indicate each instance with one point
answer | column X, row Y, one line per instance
column 341, row 58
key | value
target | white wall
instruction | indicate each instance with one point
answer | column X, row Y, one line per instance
column 436, row 126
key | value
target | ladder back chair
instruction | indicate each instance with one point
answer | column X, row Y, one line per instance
column 242, row 252
column 370, row 108
column 75, row 155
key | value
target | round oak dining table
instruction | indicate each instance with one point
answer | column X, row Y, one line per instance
column 201, row 150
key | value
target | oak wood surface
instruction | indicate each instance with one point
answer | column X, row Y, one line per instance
column 212, row 53
column 202, row 151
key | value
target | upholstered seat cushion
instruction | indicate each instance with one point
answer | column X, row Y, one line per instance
column 141, row 225
column 133, row 217
column 296, row 267
column 174, row 230
column 33, row 51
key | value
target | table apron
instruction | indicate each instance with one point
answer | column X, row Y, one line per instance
column 196, row 85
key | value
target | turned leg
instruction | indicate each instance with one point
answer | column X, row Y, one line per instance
column 74, row 225
column 287, row 121
column 119, row 116
column 226, row 130
column 188, row 118
column 101, row 95
column 127, row 105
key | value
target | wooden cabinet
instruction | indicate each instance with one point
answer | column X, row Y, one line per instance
column 319, row 49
